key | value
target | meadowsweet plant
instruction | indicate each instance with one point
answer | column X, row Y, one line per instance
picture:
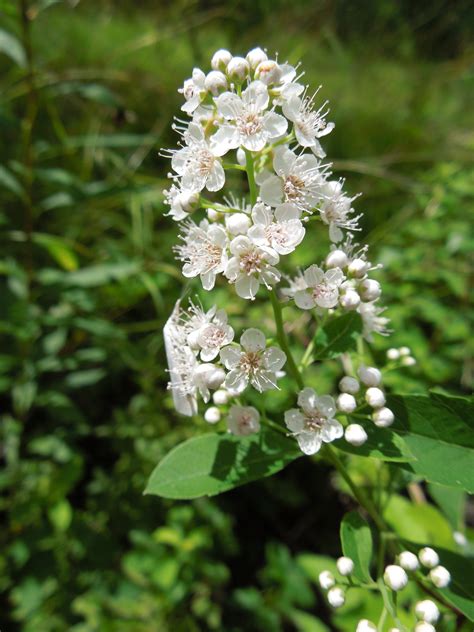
column 256, row 117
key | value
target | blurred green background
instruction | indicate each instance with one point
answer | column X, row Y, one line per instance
column 88, row 93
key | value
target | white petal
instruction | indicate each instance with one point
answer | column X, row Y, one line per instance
column 307, row 399
column 240, row 245
column 247, row 287
column 253, row 340
column 304, row 300
column 284, row 160
column 227, row 137
column 232, row 269
column 229, row 105
column 264, row 380
column 329, row 298
column 257, row 235
column 254, row 142
column 294, row 420
column 271, row 190
column 216, row 178
column 230, row 356
column 261, row 214
column 236, row 380
column 326, row 405
column 275, row 125
column 291, row 107
column 274, row 358
column 208, row 280
column 313, row 276
column 331, row 431
column 270, row 276
column 335, row 233
column 309, row 442
column 286, row 212
column 256, row 96
column 207, row 355
column 335, row 276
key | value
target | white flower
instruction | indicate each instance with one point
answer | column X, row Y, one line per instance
column 208, row 332
column 313, row 422
column 181, row 200
column 246, row 124
column 428, row 557
column 203, row 251
column 193, row 91
column 237, row 223
column 243, row 420
column 427, row 610
column 251, row 362
column 322, row 288
column 251, row 265
column 336, row 211
column 281, row 229
column 326, row 580
column 298, row 181
column 408, row 561
column 296, row 284
column 372, row 321
column 207, row 377
column 309, row 124
column 197, row 162
column 336, row 597
column 355, row 435
column 345, row 565
column 395, row 577
column 440, row 576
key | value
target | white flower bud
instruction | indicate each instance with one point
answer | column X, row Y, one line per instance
column 393, row 354
column 237, row 223
column 237, row 69
column 355, row 434
column 193, row 339
column 336, row 597
column 241, row 157
column 383, row 417
column 268, row 72
column 220, row 397
column 346, row 403
column 408, row 361
column 220, row 59
column 424, row 626
column 375, row 397
column 369, row 375
column 404, row 351
column 326, row 580
column 209, row 375
column 336, row 259
column 408, row 561
column 427, row 611
column 394, row 630
column 428, row 557
column 350, row 299
column 440, row 576
column 365, row 625
column 358, row 268
column 395, row 577
column 187, row 201
column 460, row 538
column 370, row 290
column 212, row 415
column 345, row 565
column 213, row 215
column 215, row 82
column 349, row 385
column 255, row 57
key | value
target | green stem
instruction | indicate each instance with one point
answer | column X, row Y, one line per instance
column 249, row 167
column 283, row 340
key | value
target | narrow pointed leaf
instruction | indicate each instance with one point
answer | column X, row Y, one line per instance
column 356, row 540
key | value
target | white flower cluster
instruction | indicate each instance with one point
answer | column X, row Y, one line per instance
column 336, row 595
column 193, row 338
column 401, row 356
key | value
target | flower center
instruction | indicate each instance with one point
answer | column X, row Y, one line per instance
column 205, row 162
column 251, row 262
column 250, row 362
column 322, row 290
column 249, row 124
column 293, row 188
column 314, row 421
column 213, row 336
column 276, row 233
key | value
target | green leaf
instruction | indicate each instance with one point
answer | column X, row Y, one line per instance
column 439, row 431
column 356, row 540
column 58, row 249
column 101, row 274
column 382, row 443
column 337, row 336
column 214, row 463
column 10, row 182
column 451, row 501
column 11, row 46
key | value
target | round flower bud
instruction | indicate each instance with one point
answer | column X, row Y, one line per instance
column 395, row 577
column 187, row 201
column 440, row 576
column 365, row 625
column 370, row 290
column 393, row 354
column 336, row 597
column 241, row 157
column 237, row 223
column 345, row 565
column 209, row 375
column 408, row 361
column 220, row 397
column 428, row 557
column 369, row 375
column 336, row 259
column 460, row 538
column 349, row 385
column 213, row 215
column 375, row 397
column 326, row 580
column 220, row 59
column 424, row 626
column 346, row 403
column 350, row 299
column 268, row 72
column 355, row 434
column 408, row 561
column 427, row 610
column 404, row 351
column 215, row 82
column 383, row 417
column 255, row 57
column 237, row 69
column 212, row 415
column 358, row 268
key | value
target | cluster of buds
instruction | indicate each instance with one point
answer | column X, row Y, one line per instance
column 401, row 356
column 396, row 577
column 335, row 590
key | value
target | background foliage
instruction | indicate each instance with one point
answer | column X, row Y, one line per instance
column 88, row 92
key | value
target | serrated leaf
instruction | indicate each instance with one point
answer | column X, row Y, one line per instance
column 439, row 431
column 382, row 443
column 214, row 463
column 356, row 540
column 337, row 336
